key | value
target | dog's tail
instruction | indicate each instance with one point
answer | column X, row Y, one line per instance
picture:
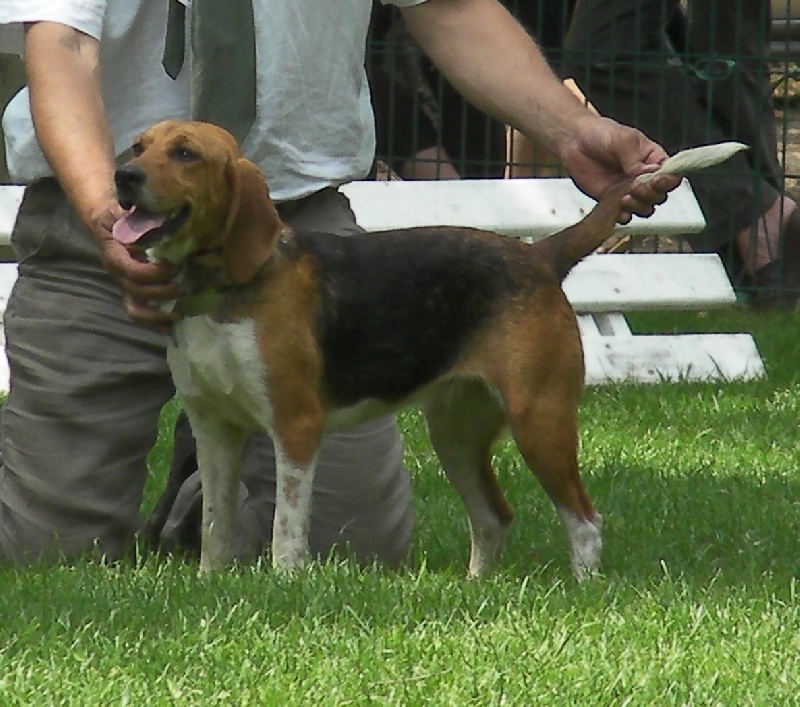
column 564, row 250
column 567, row 248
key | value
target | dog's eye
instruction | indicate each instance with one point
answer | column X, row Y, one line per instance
column 137, row 149
column 184, row 154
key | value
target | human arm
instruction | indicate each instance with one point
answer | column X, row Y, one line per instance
column 63, row 70
column 492, row 61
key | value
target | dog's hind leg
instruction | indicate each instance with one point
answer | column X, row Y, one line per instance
column 464, row 420
column 544, row 426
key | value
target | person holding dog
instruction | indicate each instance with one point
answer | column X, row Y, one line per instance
column 85, row 334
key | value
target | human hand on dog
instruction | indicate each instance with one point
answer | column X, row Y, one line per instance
column 144, row 284
column 601, row 153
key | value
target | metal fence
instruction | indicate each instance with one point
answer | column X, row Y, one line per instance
column 686, row 72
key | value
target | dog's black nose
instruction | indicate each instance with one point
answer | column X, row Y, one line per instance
column 129, row 180
column 129, row 176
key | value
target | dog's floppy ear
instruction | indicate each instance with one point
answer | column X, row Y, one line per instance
column 253, row 225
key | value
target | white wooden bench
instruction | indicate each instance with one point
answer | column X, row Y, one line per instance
column 601, row 288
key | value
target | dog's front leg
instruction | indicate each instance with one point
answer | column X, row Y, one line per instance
column 296, row 450
column 292, row 512
column 219, row 457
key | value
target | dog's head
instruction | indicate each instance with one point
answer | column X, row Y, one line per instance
column 189, row 190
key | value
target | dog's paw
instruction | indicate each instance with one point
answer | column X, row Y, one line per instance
column 586, row 544
column 289, row 559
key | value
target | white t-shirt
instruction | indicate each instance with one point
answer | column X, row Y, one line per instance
column 314, row 125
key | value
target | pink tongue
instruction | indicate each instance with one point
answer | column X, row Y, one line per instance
column 132, row 227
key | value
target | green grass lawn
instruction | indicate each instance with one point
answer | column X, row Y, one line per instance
column 698, row 604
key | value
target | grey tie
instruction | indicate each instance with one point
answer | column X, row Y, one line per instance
column 223, row 50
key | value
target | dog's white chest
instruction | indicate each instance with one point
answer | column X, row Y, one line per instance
column 220, row 366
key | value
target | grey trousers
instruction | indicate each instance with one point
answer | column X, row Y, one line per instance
column 87, row 388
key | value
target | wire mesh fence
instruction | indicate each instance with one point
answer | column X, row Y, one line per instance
column 686, row 72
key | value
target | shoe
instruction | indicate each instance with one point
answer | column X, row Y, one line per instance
column 162, row 532
column 777, row 284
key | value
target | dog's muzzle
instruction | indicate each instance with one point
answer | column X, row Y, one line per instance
column 141, row 228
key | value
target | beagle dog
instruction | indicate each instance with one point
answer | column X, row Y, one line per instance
column 295, row 333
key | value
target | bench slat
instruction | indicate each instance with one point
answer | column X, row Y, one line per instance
column 637, row 281
column 608, row 283
column 524, row 208
column 640, row 359
column 652, row 358
column 10, row 199
column 8, row 275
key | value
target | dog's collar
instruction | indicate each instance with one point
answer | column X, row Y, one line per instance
column 209, row 293
column 214, row 291
column 198, row 300
column 197, row 303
